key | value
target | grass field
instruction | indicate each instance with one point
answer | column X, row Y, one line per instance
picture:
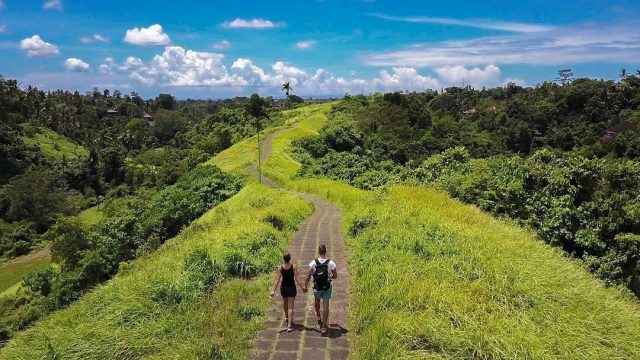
column 12, row 271
column 55, row 146
column 434, row 278
column 91, row 216
column 153, row 308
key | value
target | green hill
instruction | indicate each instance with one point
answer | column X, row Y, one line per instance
column 161, row 306
column 434, row 278
column 53, row 145
column 430, row 278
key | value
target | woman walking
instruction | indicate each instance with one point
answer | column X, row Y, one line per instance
column 288, row 273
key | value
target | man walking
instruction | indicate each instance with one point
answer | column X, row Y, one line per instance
column 323, row 271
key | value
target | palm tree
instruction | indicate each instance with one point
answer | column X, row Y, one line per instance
column 623, row 74
column 286, row 87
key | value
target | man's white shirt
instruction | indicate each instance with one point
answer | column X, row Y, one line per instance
column 331, row 265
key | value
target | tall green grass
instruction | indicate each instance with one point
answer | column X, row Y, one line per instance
column 434, row 278
column 159, row 306
column 53, row 145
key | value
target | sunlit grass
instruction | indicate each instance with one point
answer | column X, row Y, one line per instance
column 434, row 278
column 55, row 146
column 12, row 271
column 91, row 216
column 121, row 319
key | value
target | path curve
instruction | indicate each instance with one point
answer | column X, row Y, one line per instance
column 322, row 227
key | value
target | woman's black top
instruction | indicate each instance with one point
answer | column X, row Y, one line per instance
column 288, row 286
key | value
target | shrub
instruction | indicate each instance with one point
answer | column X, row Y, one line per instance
column 40, row 280
column 240, row 264
column 247, row 313
column 202, row 271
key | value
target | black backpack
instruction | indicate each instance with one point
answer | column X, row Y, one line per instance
column 321, row 276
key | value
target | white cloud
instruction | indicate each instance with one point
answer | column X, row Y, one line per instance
column 519, row 82
column 151, row 36
column 459, row 75
column 109, row 67
column 179, row 67
column 307, row 44
column 474, row 23
column 77, row 65
column 53, row 5
column 132, row 63
column 2, row 5
column 403, row 78
column 100, row 38
column 570, row 45
column 221, row 45
column 95, row 37
column 256, row 23
column 3, row 28
column 35, row 46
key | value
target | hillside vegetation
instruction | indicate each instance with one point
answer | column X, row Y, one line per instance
column 53, row 145
column 433, row 278
column 189, row 299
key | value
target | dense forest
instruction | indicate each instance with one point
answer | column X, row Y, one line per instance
column 562, row 159
column 133, row 161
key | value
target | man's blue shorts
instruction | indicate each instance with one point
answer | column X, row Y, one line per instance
column 322, row 294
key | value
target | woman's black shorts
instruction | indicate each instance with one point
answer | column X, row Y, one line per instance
column 288, row 291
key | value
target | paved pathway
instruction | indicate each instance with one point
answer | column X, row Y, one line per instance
column 306, row 342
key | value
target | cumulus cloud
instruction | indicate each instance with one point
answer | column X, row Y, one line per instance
column 35, row 47
column 77, row 65
column 53, row 5
column 179, row 67
column 307, row 44
column 221, row 45
column 460, row 75
column 256, row 23
column 151, row 36
column 570, row 45
column 474, row 23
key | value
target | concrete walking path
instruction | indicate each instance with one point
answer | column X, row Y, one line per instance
column 306, row 342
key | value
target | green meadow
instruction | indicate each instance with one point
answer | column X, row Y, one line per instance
column 434, row 278
column 53, row 145
column 431, row 278
column 12, row 271
column 201, row 295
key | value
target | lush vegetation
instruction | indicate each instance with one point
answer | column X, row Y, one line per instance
column 584, row 200
column 52, row 145
column 90, row 255
column 433, row 278
column 196, row 297
column 63, row 152
column 13, row 271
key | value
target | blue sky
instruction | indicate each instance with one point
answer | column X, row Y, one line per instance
column 216, row 49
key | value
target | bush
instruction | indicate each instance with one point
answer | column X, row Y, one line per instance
column 202, row 271
column 247, row 313
column 40, row 280
column 240, row 264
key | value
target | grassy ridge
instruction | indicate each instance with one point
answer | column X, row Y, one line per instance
column 150, row 309
column 12, row 271
column 434, row 278
column 54, row 146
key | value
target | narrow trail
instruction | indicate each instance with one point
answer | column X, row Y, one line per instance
column 306, row 342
